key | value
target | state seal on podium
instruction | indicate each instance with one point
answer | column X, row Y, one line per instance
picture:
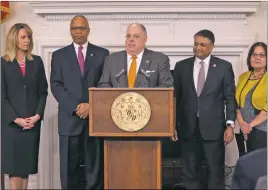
column 131, row 111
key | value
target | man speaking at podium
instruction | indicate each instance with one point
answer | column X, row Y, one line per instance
column 137, row 66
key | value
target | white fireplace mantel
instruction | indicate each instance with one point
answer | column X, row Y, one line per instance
column 103, row 10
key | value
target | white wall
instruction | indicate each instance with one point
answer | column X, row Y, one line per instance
column 170, row 26
column 257, row 22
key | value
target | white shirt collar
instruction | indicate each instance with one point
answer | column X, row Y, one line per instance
column 76, row 46
column 139, row 56
column 206, row 61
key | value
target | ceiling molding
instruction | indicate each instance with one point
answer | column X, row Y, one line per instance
column 109, row 10
column 158, row 16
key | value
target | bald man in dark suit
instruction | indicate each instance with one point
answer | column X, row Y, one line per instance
column 74, row 69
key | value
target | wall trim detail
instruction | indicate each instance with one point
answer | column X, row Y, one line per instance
column 109, row 10
column 150, row 16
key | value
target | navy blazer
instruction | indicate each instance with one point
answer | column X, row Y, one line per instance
column 218, row 93
column 23, row 96
column 70, row 87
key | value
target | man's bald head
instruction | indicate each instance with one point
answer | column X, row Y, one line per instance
column 81, row 17
column 139, row 25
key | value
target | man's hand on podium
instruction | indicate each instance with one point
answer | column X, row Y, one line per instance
column 82, row 110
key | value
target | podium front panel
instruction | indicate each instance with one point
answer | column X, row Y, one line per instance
column 161, row 123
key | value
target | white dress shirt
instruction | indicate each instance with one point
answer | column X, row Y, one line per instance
column 138, row 61
column 197, row 67
column 84, row 50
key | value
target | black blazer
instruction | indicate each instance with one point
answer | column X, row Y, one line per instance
column 23, row 96
column 218, row 92
column 70, row 87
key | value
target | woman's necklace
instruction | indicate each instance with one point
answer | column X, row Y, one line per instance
column 21, row 63
column 254, row 76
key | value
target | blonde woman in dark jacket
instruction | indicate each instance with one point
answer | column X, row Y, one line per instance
column 23, row 96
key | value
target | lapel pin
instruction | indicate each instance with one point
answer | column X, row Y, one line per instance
column 214, row 65
column 91, row 54
column 147, row 61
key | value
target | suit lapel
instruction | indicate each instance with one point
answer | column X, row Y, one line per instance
column 210, row 75
column 125, row 77
column 144, row 65
column 90, row 55
column 146, row 60
column 29, row 71
column 17, row 68
column 74, row 61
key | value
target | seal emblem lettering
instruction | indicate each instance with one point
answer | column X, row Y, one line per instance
column 131, row 111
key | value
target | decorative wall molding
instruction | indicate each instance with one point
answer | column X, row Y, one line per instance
column 150, row 16
column 109, row 10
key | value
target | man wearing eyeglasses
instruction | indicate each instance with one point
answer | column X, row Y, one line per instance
column 205, row 111
column 136, row 66
column 74, row 69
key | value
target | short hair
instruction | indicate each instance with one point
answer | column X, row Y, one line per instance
column 207, row 34
column 251, row 50
column 79, row 16
column 12, row 42
column 142, row 27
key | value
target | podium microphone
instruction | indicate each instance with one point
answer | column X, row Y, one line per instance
column 147, row 76
column 118, row 76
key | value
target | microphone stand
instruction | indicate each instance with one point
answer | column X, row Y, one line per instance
column 147, row 81
column 118, row 76
column 117, row 80
column 147, row 77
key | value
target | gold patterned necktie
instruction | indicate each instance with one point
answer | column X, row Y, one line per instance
column 132, row 72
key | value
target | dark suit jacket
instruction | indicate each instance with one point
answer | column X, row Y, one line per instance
column 155, row 64
column 249, row 169
column 70, row 88
column 22, row 96
column 218, row 92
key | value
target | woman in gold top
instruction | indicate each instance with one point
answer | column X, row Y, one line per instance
column 252, row 100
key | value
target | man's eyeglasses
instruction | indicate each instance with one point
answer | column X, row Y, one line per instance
column 79, row 28
column 255, row 55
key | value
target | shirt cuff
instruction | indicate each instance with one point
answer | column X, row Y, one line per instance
column 230, row 122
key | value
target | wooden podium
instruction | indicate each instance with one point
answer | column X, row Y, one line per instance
column 132, row 160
